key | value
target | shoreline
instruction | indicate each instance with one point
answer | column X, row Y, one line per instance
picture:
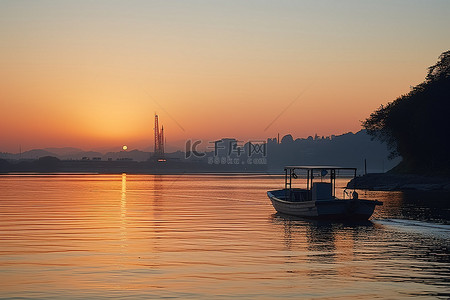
column 399, row 182
column 223, row 173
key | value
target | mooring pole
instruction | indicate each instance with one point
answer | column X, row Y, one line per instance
column 365, row 166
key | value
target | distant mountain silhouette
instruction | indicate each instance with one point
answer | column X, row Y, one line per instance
column 350, row 149
column 34, row 154
column 61, row 153
column 66, row 151
column 70, row 153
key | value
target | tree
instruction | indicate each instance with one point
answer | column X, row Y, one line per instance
column 48, row 163
column 441, row 69
column 415, row 126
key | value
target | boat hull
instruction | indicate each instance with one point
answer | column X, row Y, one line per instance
column 325, row 209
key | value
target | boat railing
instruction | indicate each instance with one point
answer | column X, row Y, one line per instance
column 351, row 194
column 313, row 173
column 345, row 193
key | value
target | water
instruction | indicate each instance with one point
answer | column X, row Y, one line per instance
column 210, row 236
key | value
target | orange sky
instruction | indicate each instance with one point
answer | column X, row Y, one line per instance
column 92, row 75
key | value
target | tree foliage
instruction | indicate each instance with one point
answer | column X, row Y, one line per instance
column 441, row 69
column 416, row 126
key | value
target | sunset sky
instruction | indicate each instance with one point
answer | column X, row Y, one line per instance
column 91, row 74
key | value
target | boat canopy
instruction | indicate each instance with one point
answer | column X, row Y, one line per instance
column 290, row 174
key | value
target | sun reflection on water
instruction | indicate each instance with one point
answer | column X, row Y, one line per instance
column 123, row 213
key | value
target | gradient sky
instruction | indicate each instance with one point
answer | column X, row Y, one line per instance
column 91, row 74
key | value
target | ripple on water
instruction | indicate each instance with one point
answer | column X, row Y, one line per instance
column 204, row 236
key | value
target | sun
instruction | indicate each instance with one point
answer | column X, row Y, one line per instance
column 124, row 148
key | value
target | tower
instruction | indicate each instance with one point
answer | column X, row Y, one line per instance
column 159, row 140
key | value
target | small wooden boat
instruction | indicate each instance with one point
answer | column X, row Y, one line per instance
column 317, row 199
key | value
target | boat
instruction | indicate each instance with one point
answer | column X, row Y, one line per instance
column 317, row 199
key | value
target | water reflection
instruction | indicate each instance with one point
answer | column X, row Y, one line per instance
column 428, row 206
column 203, row 237
column 382, row 251
column 319, row 235
column 123, row 214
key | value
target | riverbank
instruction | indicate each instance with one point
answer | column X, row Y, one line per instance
column 399, row 182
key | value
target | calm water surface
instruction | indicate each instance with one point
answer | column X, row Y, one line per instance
column 210, row 237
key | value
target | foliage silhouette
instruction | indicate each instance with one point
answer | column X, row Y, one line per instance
column 48, row 163
column 416, row 126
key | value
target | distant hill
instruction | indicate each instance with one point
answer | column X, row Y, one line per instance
column 31, row 154
column 349, row 149
column 69, row 153
column 66, row 151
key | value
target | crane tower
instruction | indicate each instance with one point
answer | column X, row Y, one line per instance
column 159, row 140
